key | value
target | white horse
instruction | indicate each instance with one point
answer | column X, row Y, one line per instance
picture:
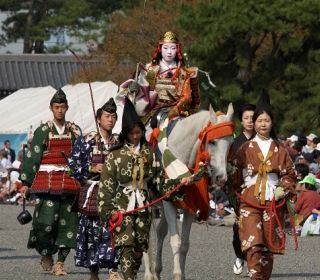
column 183, row 143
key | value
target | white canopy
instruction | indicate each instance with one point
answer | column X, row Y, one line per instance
column 29, row 107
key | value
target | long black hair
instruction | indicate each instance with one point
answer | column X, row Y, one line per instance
column 123, row 136
column 259, row 112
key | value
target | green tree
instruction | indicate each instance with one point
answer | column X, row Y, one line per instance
column 253, row 44
column 36, row 20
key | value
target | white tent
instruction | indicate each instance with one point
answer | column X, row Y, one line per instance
column 29, row 107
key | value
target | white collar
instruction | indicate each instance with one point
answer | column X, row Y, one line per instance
column 136, row 149
column 165, row 66
column 60, row 130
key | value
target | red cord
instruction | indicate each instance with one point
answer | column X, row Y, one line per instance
column 295, row 238
column 273, row 210
column 118, row 216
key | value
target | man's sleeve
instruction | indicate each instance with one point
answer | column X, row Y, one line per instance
column 32, row 159
column 78, row 161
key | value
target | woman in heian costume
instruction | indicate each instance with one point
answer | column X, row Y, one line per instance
column 130, row 172
column 267, row 176
column 165, row 84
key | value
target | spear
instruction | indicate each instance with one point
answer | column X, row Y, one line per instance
column 91, row 95
column 89, row 84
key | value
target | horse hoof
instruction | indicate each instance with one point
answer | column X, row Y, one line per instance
column 177, row 276
column 151, row 277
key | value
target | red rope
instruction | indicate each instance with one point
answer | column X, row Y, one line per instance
column 295, row 238
column 220, row 130
column 273, row 212
column 118, row 216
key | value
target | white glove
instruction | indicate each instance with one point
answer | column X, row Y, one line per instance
column 279, row 193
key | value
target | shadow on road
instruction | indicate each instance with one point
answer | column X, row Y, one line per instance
column 6, row 249
column 296, row 275
column 18, row 257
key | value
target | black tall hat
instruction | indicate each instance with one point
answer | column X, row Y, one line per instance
column 110, row 106
column 264, row 102
column 130, row 117
column 59, row 97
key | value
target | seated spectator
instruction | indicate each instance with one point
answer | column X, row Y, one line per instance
column 315, row 164
column 4, row 159
column 316, row 141
column 309, row 199
column 14, row 171
column 301, row 160
column 312, row 224
column 295, row 149
column 309, row 147
column 16, row 193
column 289, row 144
column 302, row 171
column 4, row 184
column 219, row 209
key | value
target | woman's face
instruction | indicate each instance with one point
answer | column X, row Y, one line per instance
column 135, row 135
column 169, row 51
column 263, row 125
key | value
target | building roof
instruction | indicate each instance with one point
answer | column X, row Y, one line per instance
column 36, row 70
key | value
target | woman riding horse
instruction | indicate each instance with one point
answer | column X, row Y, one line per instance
column 166, row 82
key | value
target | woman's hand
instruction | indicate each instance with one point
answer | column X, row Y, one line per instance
column 186, row 180
column 279, row 193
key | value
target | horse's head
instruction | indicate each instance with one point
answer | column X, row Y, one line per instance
column 219, row 143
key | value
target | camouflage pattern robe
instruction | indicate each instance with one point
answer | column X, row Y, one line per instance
column 122, row 188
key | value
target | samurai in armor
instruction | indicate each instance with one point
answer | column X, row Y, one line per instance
column 46, row 174
column 93, row 244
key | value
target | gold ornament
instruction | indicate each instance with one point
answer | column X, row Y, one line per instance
column 169, row 37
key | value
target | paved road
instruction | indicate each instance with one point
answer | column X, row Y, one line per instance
column 210, row 256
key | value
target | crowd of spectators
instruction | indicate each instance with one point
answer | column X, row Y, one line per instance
column 305, row 152
column 11, row 188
